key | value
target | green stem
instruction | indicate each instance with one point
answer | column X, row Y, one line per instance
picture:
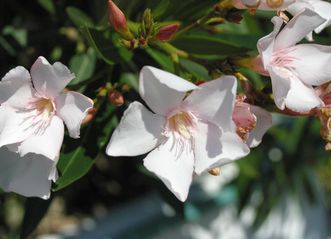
column 171, row 50
column 195, row 24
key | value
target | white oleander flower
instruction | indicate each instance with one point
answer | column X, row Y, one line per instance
column 33, row 109
column 191, row 129
column 295, row 68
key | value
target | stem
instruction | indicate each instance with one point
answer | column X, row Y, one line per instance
column 171, row 50
column 194, row 24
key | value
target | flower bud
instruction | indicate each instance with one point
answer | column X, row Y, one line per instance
column 167, row 32
column 90, row 114
column 115, row 98
column 243, row 118
column 215, row 171
column 117, row 19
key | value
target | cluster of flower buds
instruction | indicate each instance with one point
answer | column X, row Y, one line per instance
column 148, row 32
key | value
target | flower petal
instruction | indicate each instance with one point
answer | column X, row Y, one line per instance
column 233, row 148
column 207, row 147
column 214, row 148
column 323, row 8
column 161, row 90
column 48, row 144
column 263, row 123
column 312, row 63
column 280, row 85
column 302, row 98
column 289, row 91
column 297, row 28
column 16, row 88
column 72, row 107
column 176, row 171
column 214, row 101
column 49, row 80
column 265, row 45
column 14, row 126
column 138, row 132
column 28, row 175
column 297, row 7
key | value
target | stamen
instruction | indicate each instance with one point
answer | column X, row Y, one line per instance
column 180, row 127
column 39, row 112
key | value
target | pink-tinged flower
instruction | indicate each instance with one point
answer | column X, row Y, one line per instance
column 252, row 122
column 294, row 69
column 191, row 129
column 268, row 5
column 33, row 109
column 322, row 8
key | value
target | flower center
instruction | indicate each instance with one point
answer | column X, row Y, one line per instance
column 179, row 129
column 281, row 58
column 39, row 113
column 182, row 124
column 44, row 106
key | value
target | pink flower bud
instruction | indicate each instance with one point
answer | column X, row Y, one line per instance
column 116, row 17
column 215, row 171
column 167, row 32
column 115, row 98
column 244, row 119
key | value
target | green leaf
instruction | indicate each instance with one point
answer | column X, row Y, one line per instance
column 79, row 18
column 162, row 59
column 130, row 79
column 92, row 42
column 72, row 166
column 35, row 209
column 79, row 155
column 189, row 10
column 207, row 45
column 48, row 5
column 20, row 35
column 83, row 65
column 107, row 46
column 197, row 70
column 161, row 8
